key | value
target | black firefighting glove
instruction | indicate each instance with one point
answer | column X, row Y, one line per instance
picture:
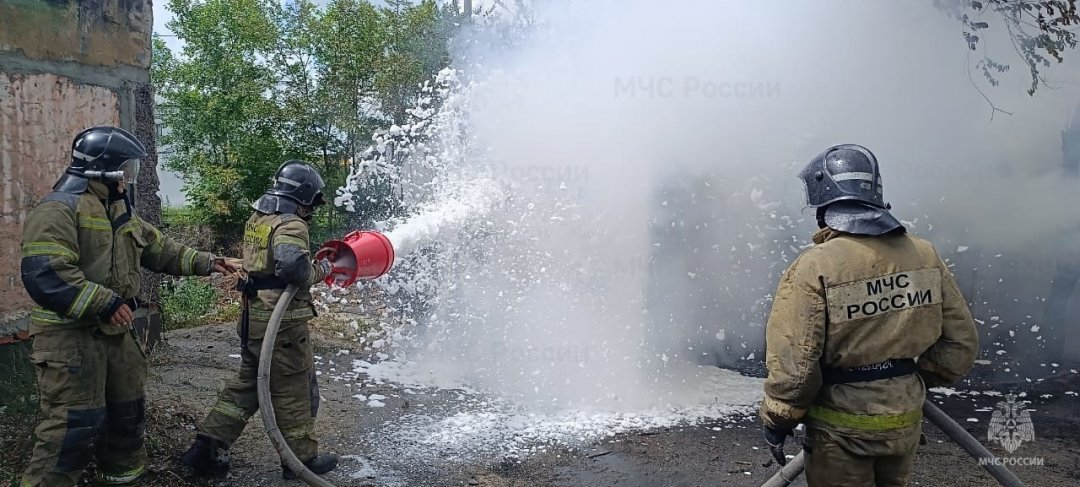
column 775, row 439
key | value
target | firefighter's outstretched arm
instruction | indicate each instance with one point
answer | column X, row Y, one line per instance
column 50, row 254
column 953, row 355
column 165, row 255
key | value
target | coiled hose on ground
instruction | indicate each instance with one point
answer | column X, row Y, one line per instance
column 795, row 467
column 266, row 408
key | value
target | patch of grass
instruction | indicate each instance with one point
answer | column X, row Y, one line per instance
column 224, row 312
column 187, row 302
column 179, row 215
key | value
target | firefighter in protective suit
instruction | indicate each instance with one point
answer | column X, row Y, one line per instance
column 862, row 324
column 82, row 248
column 276, row 254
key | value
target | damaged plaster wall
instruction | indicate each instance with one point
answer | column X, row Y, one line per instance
column 65, row 65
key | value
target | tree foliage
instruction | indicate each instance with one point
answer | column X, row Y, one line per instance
column 1040, row 30
column 259, row 82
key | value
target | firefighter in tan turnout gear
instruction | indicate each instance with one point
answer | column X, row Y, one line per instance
column 862, row 324
column 276, row 254
column 82, row 248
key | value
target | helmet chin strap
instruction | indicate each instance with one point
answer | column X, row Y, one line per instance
column 116, row 191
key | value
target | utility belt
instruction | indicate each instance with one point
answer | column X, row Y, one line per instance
column 865, row 373
column 141, row 312
column 249, row 288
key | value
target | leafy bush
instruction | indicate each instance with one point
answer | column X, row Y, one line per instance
column 186, row 301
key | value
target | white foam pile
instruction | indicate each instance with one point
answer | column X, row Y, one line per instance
column 479, row 427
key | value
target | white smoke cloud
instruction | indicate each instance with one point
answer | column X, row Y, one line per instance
column 649, row 150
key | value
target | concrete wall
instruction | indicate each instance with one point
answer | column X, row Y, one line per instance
column 65, row 65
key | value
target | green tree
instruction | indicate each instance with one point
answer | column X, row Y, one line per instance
column 308, row 105
column 415, row 47
column 349, row 51
column 225, row 132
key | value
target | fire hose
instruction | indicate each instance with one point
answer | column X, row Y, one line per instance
column 360, row 255
column 971, row 445
column 1004, row 476
column 788, row 473
column 266, row 408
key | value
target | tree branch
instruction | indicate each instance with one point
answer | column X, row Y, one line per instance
column 993, row 108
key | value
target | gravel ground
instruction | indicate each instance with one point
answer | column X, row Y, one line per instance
column 190, row 366
column 193, row 363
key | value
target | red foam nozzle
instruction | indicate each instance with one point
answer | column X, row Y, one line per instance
column 360, row 255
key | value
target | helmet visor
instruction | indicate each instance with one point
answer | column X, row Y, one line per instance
column 130, row 169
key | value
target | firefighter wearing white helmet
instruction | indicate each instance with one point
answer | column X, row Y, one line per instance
column 862, row 324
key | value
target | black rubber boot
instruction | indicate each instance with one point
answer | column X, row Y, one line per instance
column 207, row 456
column 322, row 463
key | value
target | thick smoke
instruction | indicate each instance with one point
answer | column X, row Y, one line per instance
column 647, row 151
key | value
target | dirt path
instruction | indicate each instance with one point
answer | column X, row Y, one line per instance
column 190, row 367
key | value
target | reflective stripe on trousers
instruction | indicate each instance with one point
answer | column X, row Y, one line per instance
column 299, row 314
column 121, row 478
column 880, row 422
column 231, row 410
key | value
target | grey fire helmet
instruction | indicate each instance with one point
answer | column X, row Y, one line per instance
column 844, row 183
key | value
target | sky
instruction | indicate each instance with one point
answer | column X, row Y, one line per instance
column 162, row 16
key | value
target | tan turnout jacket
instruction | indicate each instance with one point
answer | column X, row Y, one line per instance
column 852, row 301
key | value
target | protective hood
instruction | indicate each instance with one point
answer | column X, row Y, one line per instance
column 860, row 218
column 270, row 204
column 71, row 183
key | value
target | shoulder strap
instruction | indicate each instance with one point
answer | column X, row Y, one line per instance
column 71, row 200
